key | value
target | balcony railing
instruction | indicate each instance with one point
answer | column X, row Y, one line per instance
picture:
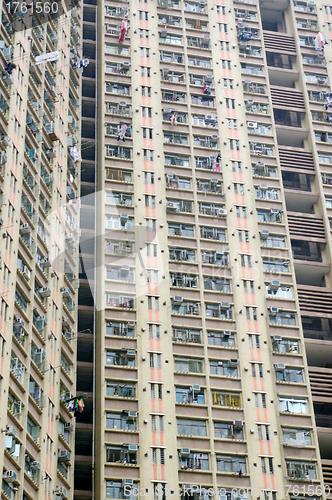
column 318, row 334
column 323, row 420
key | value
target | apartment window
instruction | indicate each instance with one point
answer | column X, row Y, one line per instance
column 297, row 437
column 273, row 241
column 263, row 465
column 293, row 405
column 186, row 365
column 289, row 374
column 188, row 395
column 275, row 266
column 171, row 39
column 282, row 318
column 121, row 358
column 194, row 461
column 224, row 368
column 227, row 430
column 191, row 427
column 153, row 395
column 224, row 339
column 120, row 421
column 229, row 463
column 301, row 470
column 264, row 400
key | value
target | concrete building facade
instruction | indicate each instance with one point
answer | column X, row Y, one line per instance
column 39, row 176
column 206, row 250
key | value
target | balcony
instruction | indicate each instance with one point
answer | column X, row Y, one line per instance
column 281, row 61
column 296, row 159
column 253, row 87
column 279, row 42
column 327, row 474
column 227, row 399
column 306, row 250
column 306, row 227
column 315, row 301
column 285, row 98
column 321, row 383
column 296, row 181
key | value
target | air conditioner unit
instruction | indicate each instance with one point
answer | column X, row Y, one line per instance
column 25, row 228
column 25, row 272
column 260, row 165
column 63, row 456
column 68, row 427
column 227, row 333
column 50, row 153
column 126, row 64
column 208, row 78
column 124, row 217
column 233, row 362
column 8, row 79
column 66, row 292
column 46, row 262
column 252, row 124
column 62, row 492
column 209, row 118
column 274, row 285
column 177, row 300
column 274, row 211
column 5, row 140
column 35, row 465
column 45, row 291
column 263, row 187
column 9, row 476
column 195, row 388
column 273, row 310
column 224, row 305
column 65, row 321
column 165, row 71
column 221, row 212
column 277, row 338
column 185, row 452
column 215, row 136
column 170, row 204
column 19, row 321
column 264, row 234
column 237, row 423
column 280, row 367
column 132, row 414
column 126, row 482
column 11, row 431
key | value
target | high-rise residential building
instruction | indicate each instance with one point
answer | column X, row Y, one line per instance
column 205, row 294
column 40, row 59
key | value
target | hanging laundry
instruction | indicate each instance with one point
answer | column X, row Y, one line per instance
column 123, row 31
column 122, row 132
column 83, row 63
column 74, row 154
column 320, row 41
column 328, row 101
column 206, row 90
column 173, row 119
column 9, row 67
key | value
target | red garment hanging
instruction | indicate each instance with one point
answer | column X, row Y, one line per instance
column 123, row 32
